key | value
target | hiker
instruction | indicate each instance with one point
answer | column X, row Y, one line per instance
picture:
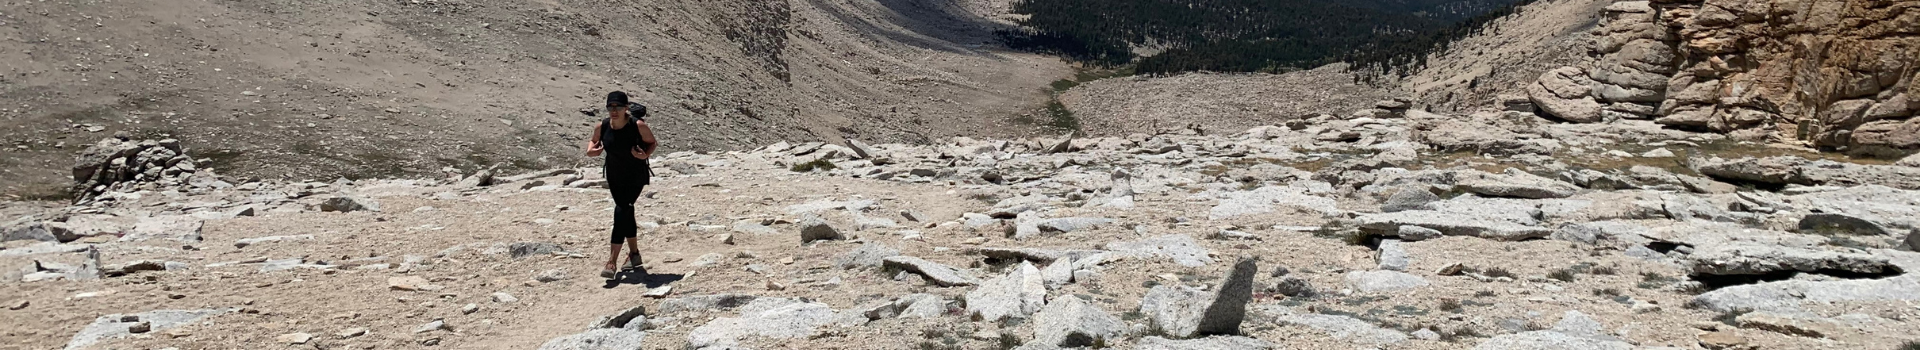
column 631, row 142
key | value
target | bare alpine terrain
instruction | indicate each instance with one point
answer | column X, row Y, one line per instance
column 322, row 90
column 846, row 174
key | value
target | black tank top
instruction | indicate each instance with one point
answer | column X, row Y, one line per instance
column 619, row 143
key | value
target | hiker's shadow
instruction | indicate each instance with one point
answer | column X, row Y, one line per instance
column 641, row 277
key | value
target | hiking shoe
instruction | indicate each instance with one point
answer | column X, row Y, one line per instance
column 607, row 274
column 633, row 261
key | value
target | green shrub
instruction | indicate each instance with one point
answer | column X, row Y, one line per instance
column 821, row 164
column 1564, row 275
column 1497, row 272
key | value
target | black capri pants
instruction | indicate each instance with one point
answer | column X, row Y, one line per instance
column 626, row 187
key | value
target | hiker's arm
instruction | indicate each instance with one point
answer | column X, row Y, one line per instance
column 647, row 143
column 593, row 144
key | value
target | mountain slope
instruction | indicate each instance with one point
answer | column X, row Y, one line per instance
column 317, row 90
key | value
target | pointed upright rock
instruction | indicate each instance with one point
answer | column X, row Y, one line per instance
column 1182, row 312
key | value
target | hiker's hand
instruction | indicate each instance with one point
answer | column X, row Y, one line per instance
column 594, row 148
column 640, row 153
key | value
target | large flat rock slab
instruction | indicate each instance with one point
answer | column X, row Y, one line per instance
column 942, row 275
column 1451, row 224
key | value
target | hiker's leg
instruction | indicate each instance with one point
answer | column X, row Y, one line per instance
column 624, row 224
column 613, row 257
column 633, row 237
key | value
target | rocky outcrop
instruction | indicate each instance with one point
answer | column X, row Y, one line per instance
column 1566, row 93
column 1837, row 75
column 117, row 164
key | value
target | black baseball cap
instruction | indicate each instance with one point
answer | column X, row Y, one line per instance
column 617, row 99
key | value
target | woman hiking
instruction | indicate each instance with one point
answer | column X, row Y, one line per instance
column 625, row 132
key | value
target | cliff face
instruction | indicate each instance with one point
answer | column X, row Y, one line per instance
column 1831, row 74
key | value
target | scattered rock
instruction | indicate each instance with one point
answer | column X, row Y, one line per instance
column 918, row 305
column 814, row 228
column 1413, row 233
column 294, row 338
column 345, row 204
column 705, row 303
column 1913, row 240
column 935, row 272
column 1069, row 321
column 1035, row 255
column 866, row 256
column 1451, row 224
column 481, row 178
column 1910, row 161
column 860, row 149
column 1019, row 293
column 525, row 249
column 245, row 242
column 504, row 299
column 1425, row 334
column 624, row 319
column 1070, row 224
column 1293, row 287
column 183, row 228
column 27, row 231
column 551, row 275
column 410, row 284
column 436, row 325
column 1408, row 198
column 1453, row 269
column 1393, row 255
column 1840, row 224
column 1064, row 145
